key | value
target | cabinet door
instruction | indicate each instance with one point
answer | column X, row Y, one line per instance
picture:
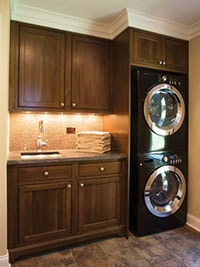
column 145, row 49
column 41, row 69
column 90, row 74
column 175, row 55
column 99, row 203
column 44, row 211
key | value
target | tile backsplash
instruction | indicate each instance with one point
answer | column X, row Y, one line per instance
column 24, row 129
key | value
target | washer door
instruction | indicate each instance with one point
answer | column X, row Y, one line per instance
column 165, row 191
column 164, row 109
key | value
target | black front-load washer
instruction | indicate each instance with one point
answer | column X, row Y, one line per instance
column 159, row 111
column 158, row 192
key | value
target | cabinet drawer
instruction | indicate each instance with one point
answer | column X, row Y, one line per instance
column 100, row 168
column 44, row 172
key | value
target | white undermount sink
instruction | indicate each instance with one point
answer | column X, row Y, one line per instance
column 40, row 154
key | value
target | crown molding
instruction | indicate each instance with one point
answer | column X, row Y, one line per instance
column 158, row 25
column 194, row 31
column 55, row 20
column 127, row 18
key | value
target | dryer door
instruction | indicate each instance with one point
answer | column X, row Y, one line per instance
column 164, row 109
column 165, row 191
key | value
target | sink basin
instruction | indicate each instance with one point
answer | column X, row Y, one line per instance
column 39, row 154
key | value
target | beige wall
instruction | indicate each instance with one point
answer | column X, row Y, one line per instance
column 4, row 55
column 194, row 128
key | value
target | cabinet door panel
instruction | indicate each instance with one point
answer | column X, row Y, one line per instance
column 99, row 203
column 146, row 49
column 41, row 68
column 175, row 55
column 90, row 74
column 44, row 211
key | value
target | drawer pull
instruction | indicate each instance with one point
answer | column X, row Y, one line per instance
column 69, row 186
column 102, row 169
column 81, row 184
column 46, row 173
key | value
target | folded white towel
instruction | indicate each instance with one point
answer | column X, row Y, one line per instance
column 93, row 141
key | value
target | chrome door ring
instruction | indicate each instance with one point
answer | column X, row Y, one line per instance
column 175, row 203
column 176, row 124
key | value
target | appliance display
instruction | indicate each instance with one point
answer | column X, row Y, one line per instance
column 158, row 111
column 158, row 192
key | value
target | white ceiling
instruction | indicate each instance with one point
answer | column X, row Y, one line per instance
column 106, row 18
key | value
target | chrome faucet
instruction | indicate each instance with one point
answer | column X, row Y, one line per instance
column 40, row 143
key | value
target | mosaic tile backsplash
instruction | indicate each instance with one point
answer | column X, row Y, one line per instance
column 24, row 130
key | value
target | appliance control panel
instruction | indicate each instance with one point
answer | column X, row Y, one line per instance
column 169, row 79
column 172, row 159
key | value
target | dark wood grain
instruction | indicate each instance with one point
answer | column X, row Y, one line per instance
column 37, row 68
column 90, row 74
column 47, row 211
column 158, row 51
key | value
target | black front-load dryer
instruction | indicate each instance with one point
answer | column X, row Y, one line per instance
column 158, row 192
column 159, row 111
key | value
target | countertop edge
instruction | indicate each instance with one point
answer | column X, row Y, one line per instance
column 14, row 158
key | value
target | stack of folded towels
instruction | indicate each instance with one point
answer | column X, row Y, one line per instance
column 93, row 141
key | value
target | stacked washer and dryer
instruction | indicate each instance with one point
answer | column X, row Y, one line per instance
column 159, row 145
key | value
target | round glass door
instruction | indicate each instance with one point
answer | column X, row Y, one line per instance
column 165, row 191
column 164, row 109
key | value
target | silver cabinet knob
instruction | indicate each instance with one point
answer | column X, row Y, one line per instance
column 81, row 184
column 160, row 62
column 73, row 104
column 102, row 169
column 69, row 186
column 46, row 173
column 62, row 104
column 164, row 63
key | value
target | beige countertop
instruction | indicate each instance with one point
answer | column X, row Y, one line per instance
column 63, row 156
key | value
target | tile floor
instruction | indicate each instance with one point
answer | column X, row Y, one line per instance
column 174, row 248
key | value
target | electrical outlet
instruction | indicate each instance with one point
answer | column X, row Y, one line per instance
column 70, row 130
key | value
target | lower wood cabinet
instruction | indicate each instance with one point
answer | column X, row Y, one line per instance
column 44, row 211
column 56, row 204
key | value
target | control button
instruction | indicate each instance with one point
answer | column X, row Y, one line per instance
column 165, row 159
column 164, row 78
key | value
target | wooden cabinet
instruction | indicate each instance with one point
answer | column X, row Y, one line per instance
column 38, row 69
column 56, row 204
column 52, row 70
column 157, row 51
column 99, row 195
column 90, row 74
column 44, row 211
column 44, row 199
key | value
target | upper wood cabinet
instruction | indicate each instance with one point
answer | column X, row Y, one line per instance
column 90, row 74
column 53, row 70
column 37, row 68
column 159, row 52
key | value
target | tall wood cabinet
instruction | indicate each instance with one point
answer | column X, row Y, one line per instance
column 157, row 51
column 54, row 204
